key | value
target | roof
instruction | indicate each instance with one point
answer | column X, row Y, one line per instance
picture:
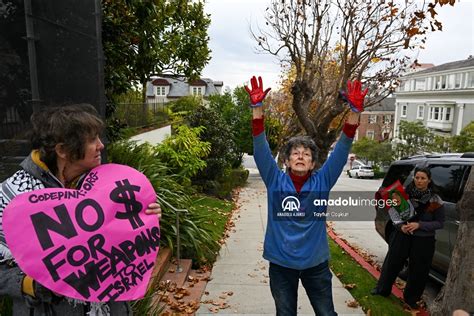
column 179, row 86
column 422, row 66
column 160, row 82
column 386, row 105
column 469, row 62
column 198, row 82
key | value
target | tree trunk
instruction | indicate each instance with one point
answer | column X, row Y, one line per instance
column 458, row 291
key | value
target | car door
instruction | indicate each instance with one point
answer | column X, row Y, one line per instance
column 447, row 179
column 453, row 229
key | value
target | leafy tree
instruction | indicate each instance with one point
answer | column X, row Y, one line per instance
column 142, row 38
column 380, row 153
column 464, row 142
column 219, row 134
column 237, row 114
column 415, row 138
column 327, row 42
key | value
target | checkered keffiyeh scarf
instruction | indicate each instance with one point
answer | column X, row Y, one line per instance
column 19, row 183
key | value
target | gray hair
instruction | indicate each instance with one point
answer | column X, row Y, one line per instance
column 298, row 141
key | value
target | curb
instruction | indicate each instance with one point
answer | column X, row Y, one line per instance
column 367, row 266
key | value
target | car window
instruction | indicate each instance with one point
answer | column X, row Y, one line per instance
column 367, row 168
column 397, row 172
column 448, row 180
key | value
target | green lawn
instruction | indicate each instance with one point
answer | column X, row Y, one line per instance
column 212, row 214
column 350, row 272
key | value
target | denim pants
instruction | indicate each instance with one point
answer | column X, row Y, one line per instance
column 315, row 280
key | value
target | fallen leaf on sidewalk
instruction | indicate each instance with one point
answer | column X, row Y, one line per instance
column 350, row 286
column 352, row 304
column 207, row 302
column 214, row 309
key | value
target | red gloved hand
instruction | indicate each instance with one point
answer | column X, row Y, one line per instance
column 354, row 95
column 256, row 94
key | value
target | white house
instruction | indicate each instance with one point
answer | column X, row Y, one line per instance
column 167, row 88
column 442, row 97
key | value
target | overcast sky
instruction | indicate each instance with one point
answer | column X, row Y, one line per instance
column 235, row 60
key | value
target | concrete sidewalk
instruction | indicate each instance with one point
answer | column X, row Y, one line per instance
column 240, row 274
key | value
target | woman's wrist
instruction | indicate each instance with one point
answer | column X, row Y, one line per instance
column 257, row 113
column 353, row 118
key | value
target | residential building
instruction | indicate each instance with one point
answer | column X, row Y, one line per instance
column 441, row 97
column 167, row 88
column 376, row 122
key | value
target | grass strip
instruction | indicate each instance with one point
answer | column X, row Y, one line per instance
column 351, row 273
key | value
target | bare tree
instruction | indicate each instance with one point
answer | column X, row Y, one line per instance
column 327, row 42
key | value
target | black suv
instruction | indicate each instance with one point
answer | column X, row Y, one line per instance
column 449, row 174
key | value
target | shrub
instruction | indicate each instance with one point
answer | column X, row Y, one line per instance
column 197, row 237
column 223, row 186
column 237, row 114
column 184, row 152
column 186, row 104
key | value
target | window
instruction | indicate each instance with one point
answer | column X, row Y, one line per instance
column 457, row 81
column 397, row 172
column 372, row 119
column 403, row 85
column 420, row 114
column 470, row 80
column 197, row 90
column 447, row 114
column 437, row 82
column 387, row 119
column 443, row 82
column 160, row 91
column 404, row 111
column 440, row 113
column 447, row 181
column 451, row 81
column 420, row 84
column 370, row 134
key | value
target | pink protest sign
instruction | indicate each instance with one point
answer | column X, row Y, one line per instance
column 93, row 244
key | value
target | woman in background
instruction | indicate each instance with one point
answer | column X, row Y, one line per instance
column 413, row 239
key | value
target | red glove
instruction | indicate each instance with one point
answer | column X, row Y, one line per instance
column 256, row 94
column 354, row 95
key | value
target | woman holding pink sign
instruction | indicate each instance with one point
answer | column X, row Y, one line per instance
column 66, row 146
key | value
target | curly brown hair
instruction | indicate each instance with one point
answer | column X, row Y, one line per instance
column 71, row 125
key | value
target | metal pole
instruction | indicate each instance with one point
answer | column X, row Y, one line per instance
column 30, row 38
column 178, row 237
column 178, row 246
column 100, row 57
